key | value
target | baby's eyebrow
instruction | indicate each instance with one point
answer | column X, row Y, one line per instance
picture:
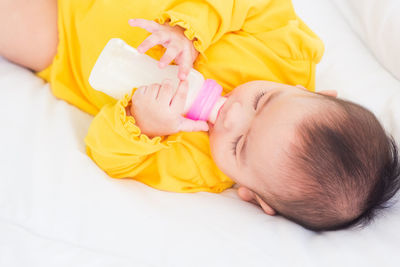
column 243, row 151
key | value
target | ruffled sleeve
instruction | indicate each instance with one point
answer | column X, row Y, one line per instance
column 180, row 163
column 205, row 21
column 116, row 144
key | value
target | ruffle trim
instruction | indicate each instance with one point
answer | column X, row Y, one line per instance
column 134, row 132
column 189, row 32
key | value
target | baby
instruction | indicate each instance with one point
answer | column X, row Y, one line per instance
column 322, row 162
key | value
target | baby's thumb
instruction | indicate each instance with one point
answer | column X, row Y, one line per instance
column 188, row 125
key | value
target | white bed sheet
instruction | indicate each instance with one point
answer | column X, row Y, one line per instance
column 58, row 209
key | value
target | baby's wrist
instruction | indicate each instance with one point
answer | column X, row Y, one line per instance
column 182, row 30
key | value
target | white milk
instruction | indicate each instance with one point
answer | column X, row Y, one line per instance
column 120, row 68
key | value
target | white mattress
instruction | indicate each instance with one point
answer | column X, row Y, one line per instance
column 58, row 209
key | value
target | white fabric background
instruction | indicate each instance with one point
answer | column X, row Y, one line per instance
column 377, row 22
column 58, row 209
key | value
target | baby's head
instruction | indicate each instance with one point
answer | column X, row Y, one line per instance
column 322, row 162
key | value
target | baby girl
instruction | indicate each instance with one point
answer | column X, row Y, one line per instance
column 322, row 162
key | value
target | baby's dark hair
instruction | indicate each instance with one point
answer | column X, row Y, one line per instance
column 351, row 164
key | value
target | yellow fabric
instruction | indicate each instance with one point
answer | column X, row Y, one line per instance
column 238, row 41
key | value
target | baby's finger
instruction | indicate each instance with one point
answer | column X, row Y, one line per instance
column 178, row 101
column 148, row 25
column 185, row 65
column 152, row 40
column 152, row 91
column 166, row 92
column 169, row 55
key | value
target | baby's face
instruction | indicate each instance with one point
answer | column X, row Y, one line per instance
column 251, row 137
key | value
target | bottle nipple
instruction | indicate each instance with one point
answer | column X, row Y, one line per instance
column 215, row 111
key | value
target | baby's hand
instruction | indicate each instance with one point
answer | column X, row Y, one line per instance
column 179, row 48
column 158, row 110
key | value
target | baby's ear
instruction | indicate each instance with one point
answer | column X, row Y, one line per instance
column 246, row 194
column 266, row 208
column 249, row 196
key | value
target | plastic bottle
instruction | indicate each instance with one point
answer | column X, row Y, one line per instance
column 120, row 68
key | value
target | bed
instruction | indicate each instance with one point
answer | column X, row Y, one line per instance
column 57, row 208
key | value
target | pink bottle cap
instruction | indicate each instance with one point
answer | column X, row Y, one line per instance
column 208, row 96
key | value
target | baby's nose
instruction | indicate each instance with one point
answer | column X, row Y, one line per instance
column 232, row 115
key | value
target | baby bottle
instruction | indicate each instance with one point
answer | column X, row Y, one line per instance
column 120, row 68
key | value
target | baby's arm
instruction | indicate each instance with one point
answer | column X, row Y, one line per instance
column 205, row 22
column 202, row 23
column 180, row 162
column 179, row 48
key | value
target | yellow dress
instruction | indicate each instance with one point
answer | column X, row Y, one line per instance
column 238, row 41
